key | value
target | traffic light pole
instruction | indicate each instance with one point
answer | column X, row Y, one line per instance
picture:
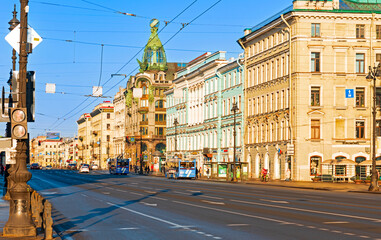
column 20, row 222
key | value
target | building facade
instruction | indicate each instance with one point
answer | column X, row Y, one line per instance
column 145, row 102
column 119, row 139
column 200, row 123
column 84, row 138
column 307, row 100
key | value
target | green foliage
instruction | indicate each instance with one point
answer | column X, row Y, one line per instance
column 129, row 98
column 151, row 96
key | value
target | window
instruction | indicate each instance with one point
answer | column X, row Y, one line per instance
column 159, row 131
column 315, row 96
column 315, row 29
column 144, row 103
column 378, row 128
column 360, row 31
column 360, row 63
column 159, row 104
column 315, row 62
column 340, row 170
column 108, row 138
column 160, row 117
column 378, row 32
column 315, row 129
column 315, row 165
column 378, row 97
column 144, row 117
column 108, row 126
column 360, row 129
column 340, row 128
column 144, row 130
column 108, row 115
column 360, row 97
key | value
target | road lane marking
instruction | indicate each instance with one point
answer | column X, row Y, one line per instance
column 349, row 234
column 218, row 198
column 130, row 228
column 152, row 217
column 364, row 237
column 139, row 194
column 84, row 195
column 193, row 191
column 237, row 225
column 106, row 193
column 182, row 193
column 214, row 203
column 163, row 199
column 151, row 192
column 149, row 204
column 308, row 210
column 273, row 201
column 335, row 222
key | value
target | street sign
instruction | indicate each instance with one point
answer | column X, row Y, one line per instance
column 132, row 139
column 13, row 38
column 349, row 93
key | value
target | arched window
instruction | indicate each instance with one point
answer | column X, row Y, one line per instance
column 159, row 104
column 315, row 165
column 360, row 159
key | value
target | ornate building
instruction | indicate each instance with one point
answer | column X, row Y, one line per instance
column 119, row 138
column 204, row 126
column 145, row 101
column 306, row 96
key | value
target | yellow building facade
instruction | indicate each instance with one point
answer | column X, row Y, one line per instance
column 307, row 100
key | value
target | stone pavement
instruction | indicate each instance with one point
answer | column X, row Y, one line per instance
column 4, row 214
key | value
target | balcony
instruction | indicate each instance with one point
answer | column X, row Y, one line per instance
column 143, row 110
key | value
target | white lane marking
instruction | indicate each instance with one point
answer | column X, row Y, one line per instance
column 77, row 230
column 273, row 201
column 151, row 192
column 84, row 195
column 349, row 234
column 185, row 227
column 217, row 238
column 218, row 198
column 193, row 191
column 106, row 193
column 335, row 231
column 308, row 210
column 163, row 199
column 237, row 225
column 335, row 222
column 311, row 226
column 149, row 204
column 139, row 194
column 215, row 203
column 131, row 228
column 201, row 233
column 47, row 193
column 364, row 237
column 146, row 215
column 234, row 213
column 323, row 229
column 182, row 193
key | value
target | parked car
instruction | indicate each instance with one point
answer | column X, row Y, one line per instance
column 94, row 167
column 84, row 168
column 72, row 166
column 35, row 166
column 49, row 167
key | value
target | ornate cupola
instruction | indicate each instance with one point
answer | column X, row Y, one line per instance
column 154, row 58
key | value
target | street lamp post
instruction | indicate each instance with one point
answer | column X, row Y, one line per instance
column 175, row 122
column 372, row 75
column 141, row 151
column 234, row 110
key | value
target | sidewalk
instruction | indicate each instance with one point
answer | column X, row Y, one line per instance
column 324, row 186
column 4, row 215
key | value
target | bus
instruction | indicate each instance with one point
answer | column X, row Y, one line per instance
column 119, row 166
column 178, row 168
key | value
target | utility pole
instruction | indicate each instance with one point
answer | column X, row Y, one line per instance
column 175, row 122
column 141, row 152
column 234, row 109
column 20, row 223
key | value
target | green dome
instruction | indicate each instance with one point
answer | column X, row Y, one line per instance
column 154, row 57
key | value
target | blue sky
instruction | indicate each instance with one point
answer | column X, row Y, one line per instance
column 76, row 66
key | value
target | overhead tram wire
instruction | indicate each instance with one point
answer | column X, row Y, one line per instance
column 125, row 46
column 137, row 67
column 120, row 69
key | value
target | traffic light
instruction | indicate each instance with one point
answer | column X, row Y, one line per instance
column 19, row 123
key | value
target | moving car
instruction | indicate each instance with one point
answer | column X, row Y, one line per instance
column 35, row 166
column 48, row 167
column 94, row 167
column 72, row 166
column 84, row 168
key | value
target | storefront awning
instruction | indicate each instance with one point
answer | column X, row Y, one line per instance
column 369, row 163
column 339, row 162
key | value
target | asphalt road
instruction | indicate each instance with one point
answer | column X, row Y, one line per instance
column 100, row 206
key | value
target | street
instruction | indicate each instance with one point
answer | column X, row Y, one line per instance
column 103, row 206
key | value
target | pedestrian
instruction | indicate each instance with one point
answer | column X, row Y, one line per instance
column 196, row 173
column 199, row 172
column 207, row 172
